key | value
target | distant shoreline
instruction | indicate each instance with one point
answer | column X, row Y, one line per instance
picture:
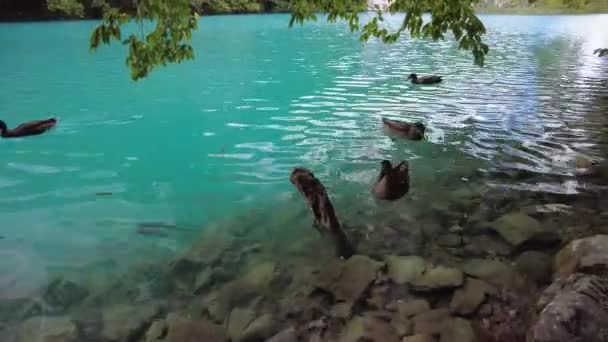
column 47, row 17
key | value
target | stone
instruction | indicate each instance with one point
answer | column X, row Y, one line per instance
column 157, row 331
column 260, row 276
column 536, row 265
column 402, row 325
column 47, row 329
column 260, row 329
column 486, row 269
column 238, row 320
column 419, row 338
column 439, row 277
column 181, row 330
column 347, row 279
column 413, row 307
column 432, row 322
column 588, row 255
column 341, row 310
column 485, row 310
column 573, row 309
column 123, row 323
column 456, row 229
column 202, row 280
column 62, row 293
column 368, row 329
column 489, row 244
column 287, row 335
column 467, row 299
column 449, row 240
column 405, row 269
column 458, row 330
column 518, row 228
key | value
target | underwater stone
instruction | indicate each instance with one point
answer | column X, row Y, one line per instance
column 157, row 331
column 518, row 228
column 413, row 307
column 287, row 335
column 449, row 240
column 458, row 330
column 261, row 328
column 182, row 330
column 536, row 265
column 123, row 323
column 431, row 322
column 47, row 329
column 486, row 269
column 467, row 299
column 238, row 320
column 405, row 269
column 419, row 338
column 346, row 280
column 436, row 277
column 368, row 329
column 62, row 293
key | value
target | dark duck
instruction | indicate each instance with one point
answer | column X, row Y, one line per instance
column 27, row 129
column 424, row 79
column 412, row 131
column 393, row 182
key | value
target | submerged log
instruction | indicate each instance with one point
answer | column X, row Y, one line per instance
column 325, row 220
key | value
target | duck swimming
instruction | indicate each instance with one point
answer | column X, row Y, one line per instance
column 403, row 129
column 393, row 182
column 27, row 129
column 424, row 79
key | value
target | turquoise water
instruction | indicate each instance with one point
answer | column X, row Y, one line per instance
column 217, row 137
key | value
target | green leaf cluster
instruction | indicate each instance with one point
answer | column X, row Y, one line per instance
column 454, row 16
column 168, row 42
column 71, row 8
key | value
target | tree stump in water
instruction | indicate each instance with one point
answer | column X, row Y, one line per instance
column 325, row 220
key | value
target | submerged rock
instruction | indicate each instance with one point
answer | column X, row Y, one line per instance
column 467, row 299
column 573, row 309
column 518, row 228
column 486, row 269
column 432, row 322
column 368, row 329
column 486, row 244
column 419, row 338
column 287, row 335
column 413, row 307
column 416, row 271
column 238, row 320
column 62, row 293
column 123, row 323
column 47, row 329
column 405, row 269
column 449, row 240
column 588, row 255
column 536, row 265
column 157, row 331
column 458, row 330
column 346, row 280
column 181, row 330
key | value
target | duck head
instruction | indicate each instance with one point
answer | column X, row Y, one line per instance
column 420, row 127
column 3, row 126
column 385, row 168
column 412, row 77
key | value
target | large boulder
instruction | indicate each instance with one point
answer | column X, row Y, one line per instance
column 573, row 309
column 518, row 228
column 536, row 265
column 47, row 329
column 346, row 280
column 588, row 255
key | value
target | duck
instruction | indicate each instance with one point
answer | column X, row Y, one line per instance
column 424, row 79
column 27, row 129
column 412, row 131
column 393, row 182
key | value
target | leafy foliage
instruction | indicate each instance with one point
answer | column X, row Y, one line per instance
column 601, row 52
column 455, row 16
column 72, row 8
column 167, row 43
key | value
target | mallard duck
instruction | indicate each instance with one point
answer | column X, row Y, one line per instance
column 28, row 128
column 393, row 182
column 424, row 79
column 406, row 130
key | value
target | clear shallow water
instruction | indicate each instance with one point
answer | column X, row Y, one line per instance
column 217, row 137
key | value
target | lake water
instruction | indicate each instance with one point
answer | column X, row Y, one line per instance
column 212, row 141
